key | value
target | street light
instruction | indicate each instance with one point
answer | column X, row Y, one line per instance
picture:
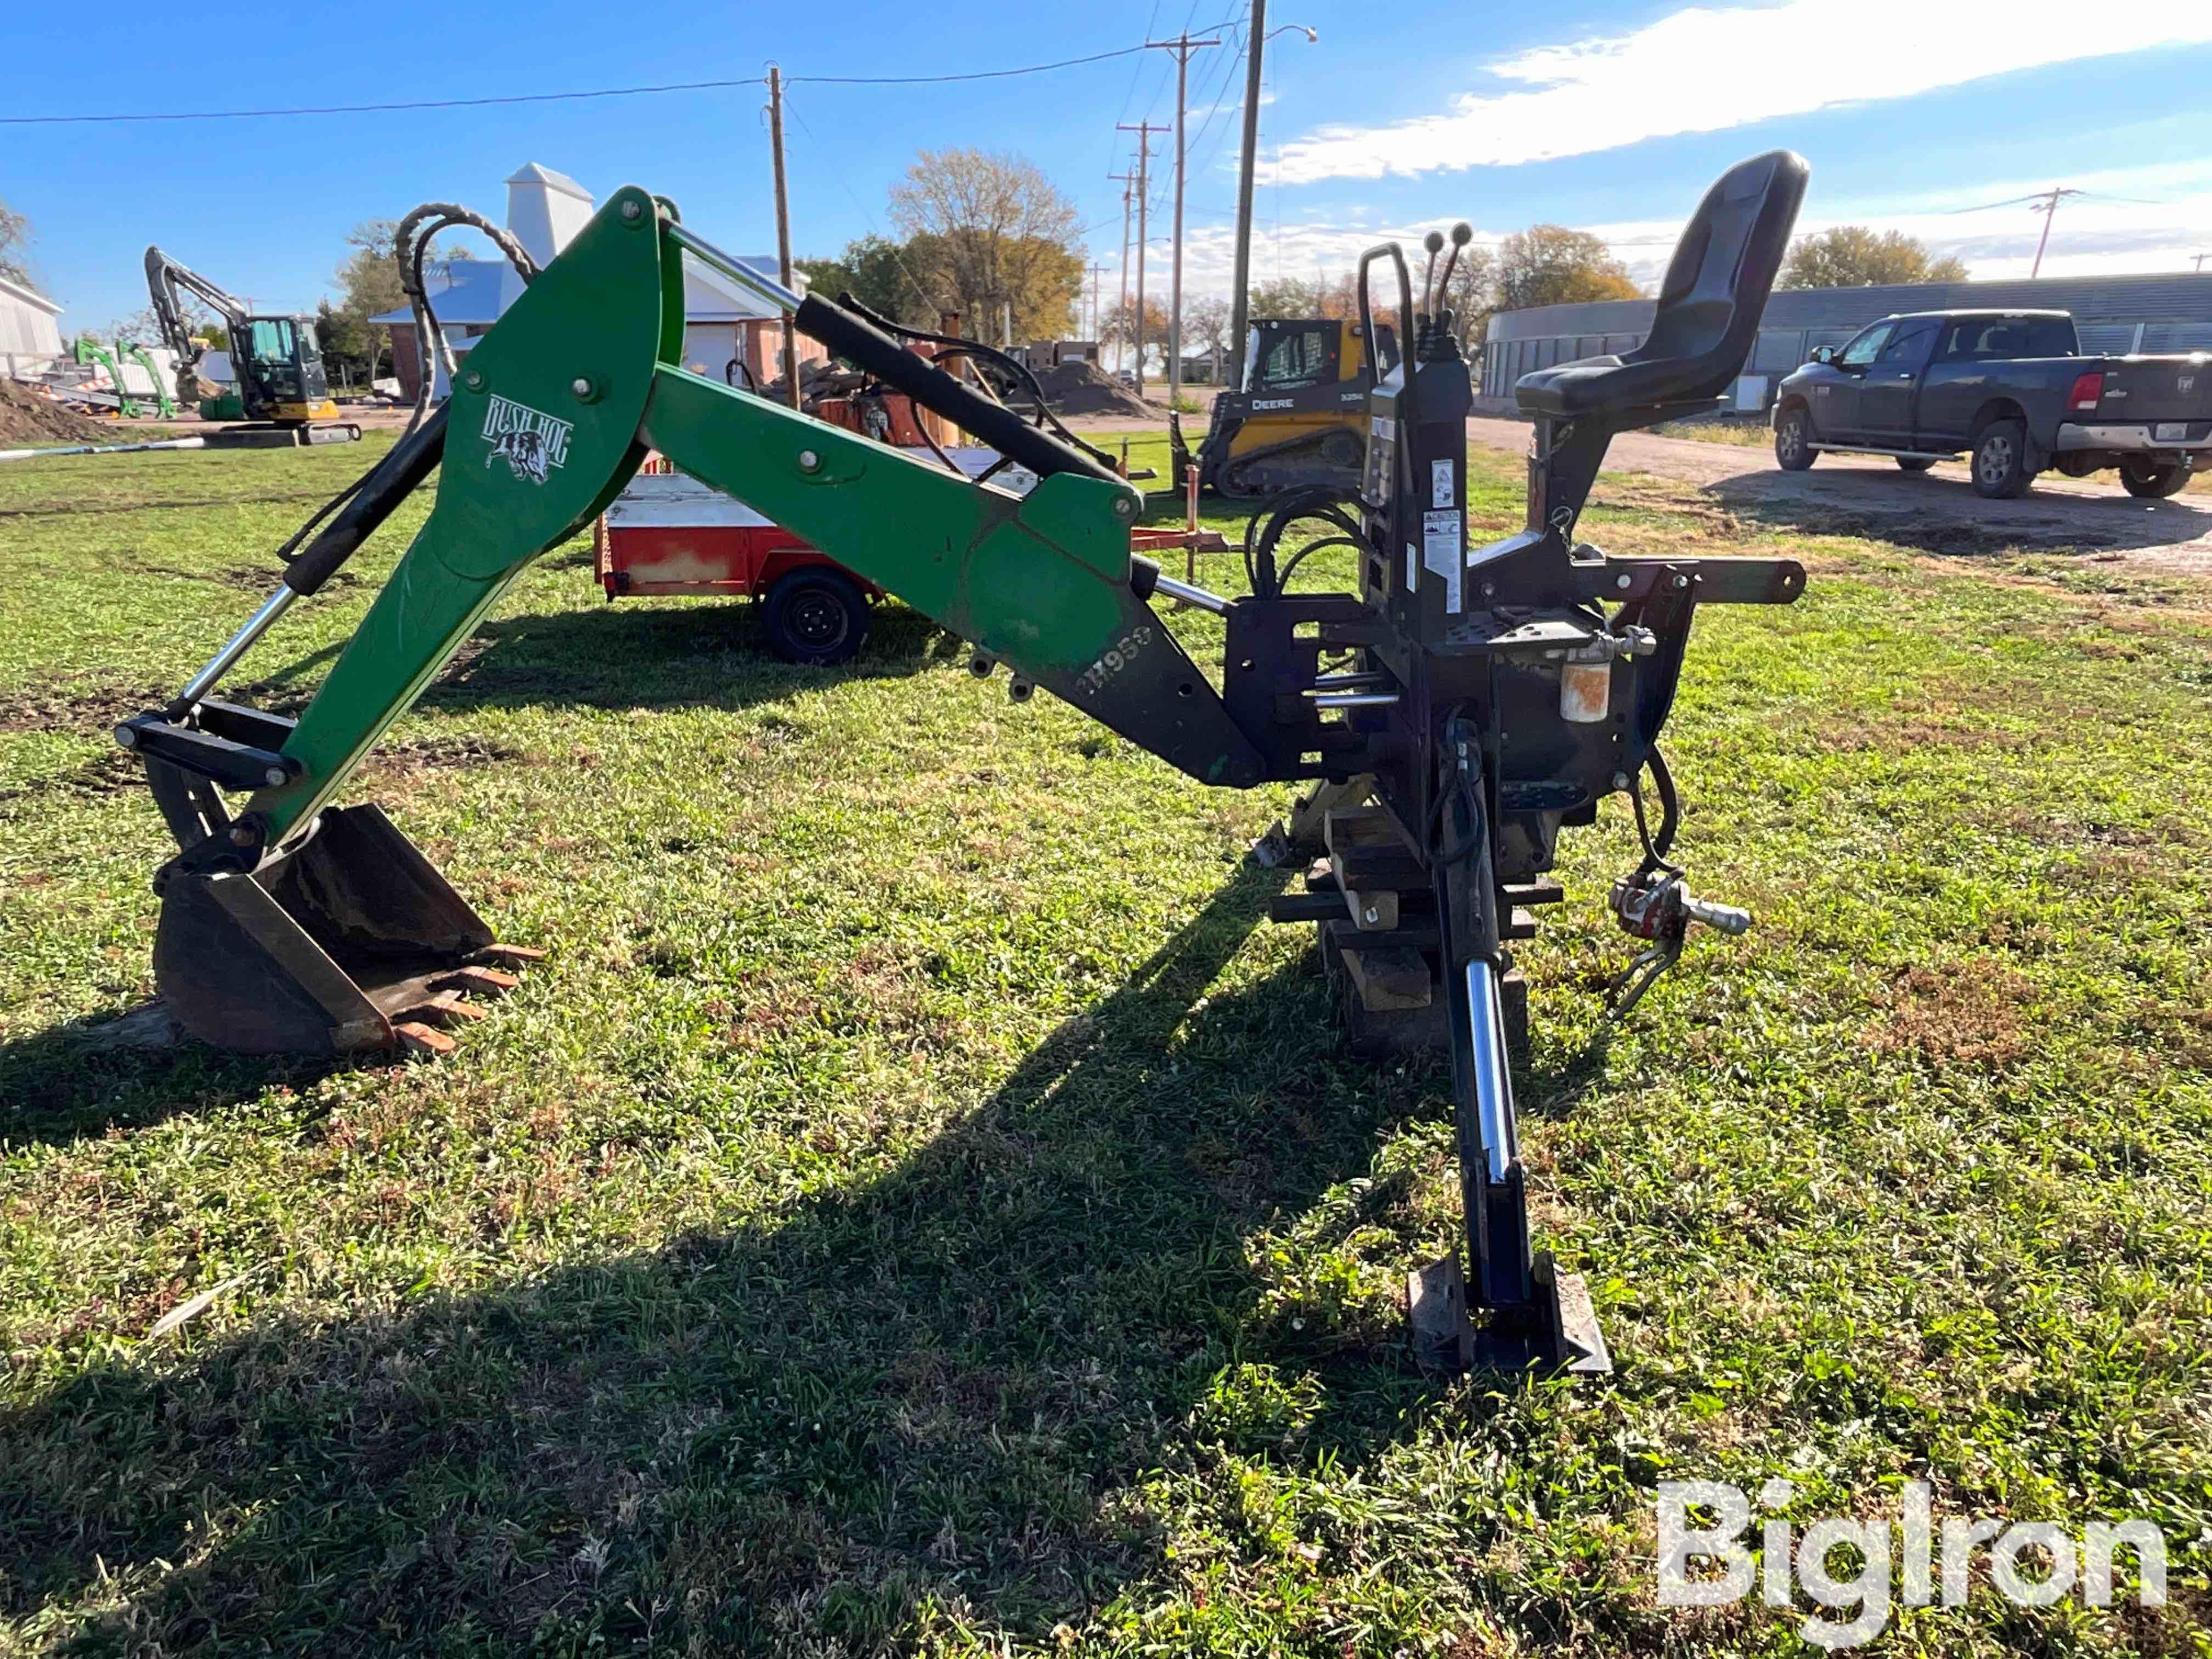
column 1240, row 318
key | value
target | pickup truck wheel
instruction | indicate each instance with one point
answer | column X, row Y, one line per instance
column 2153, row 482
column 1793, row 442
column 814, row 616
column 1913, row 464
column 2000, row 469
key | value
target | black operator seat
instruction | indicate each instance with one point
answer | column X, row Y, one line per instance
column 1709, row 307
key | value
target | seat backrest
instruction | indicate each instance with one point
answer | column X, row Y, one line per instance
column 1718, row 281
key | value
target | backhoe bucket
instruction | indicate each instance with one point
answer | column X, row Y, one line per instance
column 353, row 941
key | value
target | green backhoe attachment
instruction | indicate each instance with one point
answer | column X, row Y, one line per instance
column 295, row 925
column 1463, row 707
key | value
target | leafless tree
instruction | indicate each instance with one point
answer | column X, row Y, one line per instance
column 1205, row 328
column 15, row 246
column 1002, row 235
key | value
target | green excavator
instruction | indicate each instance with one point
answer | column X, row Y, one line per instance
column 1453, row 714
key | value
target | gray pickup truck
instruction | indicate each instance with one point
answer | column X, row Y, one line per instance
column 2008, row 387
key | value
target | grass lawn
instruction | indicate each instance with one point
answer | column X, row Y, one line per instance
column 1750, row 431
column 920, row 1205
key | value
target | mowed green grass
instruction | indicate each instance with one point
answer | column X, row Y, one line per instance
column 920, row 1206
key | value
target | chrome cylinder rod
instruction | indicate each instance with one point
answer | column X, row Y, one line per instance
column 219, row 665
column 1168, row 584
column 1493, row 1083
column 735, row 268
column 1363, row 679
column 1355, row 699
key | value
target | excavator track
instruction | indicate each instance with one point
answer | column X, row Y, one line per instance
column 1330, row 460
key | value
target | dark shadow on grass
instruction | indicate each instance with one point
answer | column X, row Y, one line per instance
column 82, row 1078
column 701, row 654
column 1934, row 514
column 644, row 653
column 938, row 1387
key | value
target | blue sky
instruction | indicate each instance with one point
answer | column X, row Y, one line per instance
column 1611, row 117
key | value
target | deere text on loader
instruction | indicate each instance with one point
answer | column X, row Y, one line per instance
column 1299, row 420
column 1455, row 712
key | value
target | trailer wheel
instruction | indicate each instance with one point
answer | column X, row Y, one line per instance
column 1793, row 441
column 1913, row 464
column 2153, row 482
column 816, row 616
column 2000, row 466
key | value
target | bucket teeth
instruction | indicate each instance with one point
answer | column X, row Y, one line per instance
column 508, row 956
column 490, row 981
column 417, row 1038
column 446, row 1008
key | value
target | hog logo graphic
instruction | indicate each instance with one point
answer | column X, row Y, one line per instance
column 524, row 453
column 530, row 443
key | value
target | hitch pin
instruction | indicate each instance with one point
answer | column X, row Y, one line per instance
column 219, row 665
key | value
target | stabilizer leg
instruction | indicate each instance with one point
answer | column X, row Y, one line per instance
column 1534, row 1315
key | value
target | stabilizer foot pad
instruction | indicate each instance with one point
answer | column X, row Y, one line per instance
column 1557, row 1331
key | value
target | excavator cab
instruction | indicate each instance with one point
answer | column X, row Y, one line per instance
column 1300, row 417
column 280, row 371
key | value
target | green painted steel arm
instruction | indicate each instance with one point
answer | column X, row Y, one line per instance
column 549, row 421
column 1041, row 581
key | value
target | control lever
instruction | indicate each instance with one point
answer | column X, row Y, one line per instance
column 1656, row 904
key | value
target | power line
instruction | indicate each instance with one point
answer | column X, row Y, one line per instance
column 370, row 109
column 569, row 97
column 974, row 75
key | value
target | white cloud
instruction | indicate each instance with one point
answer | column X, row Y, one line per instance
column 2091, row 237
column 1702, row 70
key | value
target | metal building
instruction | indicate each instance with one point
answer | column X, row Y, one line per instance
column 2115, row 315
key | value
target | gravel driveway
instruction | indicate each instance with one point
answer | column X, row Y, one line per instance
column 1867, row 494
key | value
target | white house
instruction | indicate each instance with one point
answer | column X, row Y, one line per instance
column 723, row 324
column 30, row 337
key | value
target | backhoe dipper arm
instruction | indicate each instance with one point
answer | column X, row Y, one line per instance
column 552, row 415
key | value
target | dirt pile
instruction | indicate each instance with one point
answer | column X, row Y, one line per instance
column 30, row 419
column 1081, row 388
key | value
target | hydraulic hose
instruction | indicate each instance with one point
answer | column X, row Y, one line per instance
column 860, row 342
column 407, row 463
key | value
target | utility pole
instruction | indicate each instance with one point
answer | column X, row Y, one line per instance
column 2201, row 259
column 1143, row 130
column 2047, row 203
column 1097, row 271
column 1183, row 45
column 783, row 225
column 1240, row 308
column 1128, row 183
